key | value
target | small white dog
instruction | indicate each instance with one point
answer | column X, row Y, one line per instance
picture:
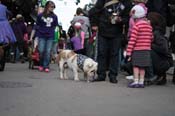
column 76, row 62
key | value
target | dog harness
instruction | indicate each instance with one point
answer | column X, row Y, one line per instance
column 80, row 60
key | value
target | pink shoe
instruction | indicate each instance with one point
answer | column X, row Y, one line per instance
column 40, row 68
column 47, row 70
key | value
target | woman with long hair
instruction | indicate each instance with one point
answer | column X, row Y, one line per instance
column 46, row 23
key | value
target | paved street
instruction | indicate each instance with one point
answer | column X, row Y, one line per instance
column 25, row 92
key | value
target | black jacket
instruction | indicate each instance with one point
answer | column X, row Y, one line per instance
column 161, row 56
column 99, row 16
column 160, row 43
column 159, row 6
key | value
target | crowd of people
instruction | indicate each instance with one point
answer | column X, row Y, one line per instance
column 121, row 35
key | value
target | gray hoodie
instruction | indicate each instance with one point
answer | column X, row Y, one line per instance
column 85, row 24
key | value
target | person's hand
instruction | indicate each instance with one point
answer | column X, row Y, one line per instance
column 127, row 58
column 29, row 41
column 118, row 19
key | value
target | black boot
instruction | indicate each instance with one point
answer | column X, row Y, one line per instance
column 22, row 59
column 161, row 80
column 173, row 79
column 173, row 76
column 3, row 51
column 98, row 79
column 2, row 64
column 113, row 80
column 12, row 58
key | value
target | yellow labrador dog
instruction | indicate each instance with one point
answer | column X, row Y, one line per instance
column 76, row 62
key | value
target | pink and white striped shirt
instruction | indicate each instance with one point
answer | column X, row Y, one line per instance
column 141, row 36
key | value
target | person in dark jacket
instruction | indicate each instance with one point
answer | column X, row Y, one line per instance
column 108, row 17
column 160, row 54
column 20, row 30
column 171, row 23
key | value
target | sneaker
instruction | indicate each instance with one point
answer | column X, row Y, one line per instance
column 133, row 85
column 40, row 68
column 47, row 70
column 141, row 85
column 131, row 77
column 113, row 80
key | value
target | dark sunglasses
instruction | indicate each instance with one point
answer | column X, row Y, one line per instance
column 52, row 6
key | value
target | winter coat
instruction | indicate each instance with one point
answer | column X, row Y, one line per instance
column 161, row 56
column 101, row 16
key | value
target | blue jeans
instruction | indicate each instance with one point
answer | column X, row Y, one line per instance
column 45, row 47
column 55, row 48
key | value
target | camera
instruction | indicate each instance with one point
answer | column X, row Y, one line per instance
column 114, row 18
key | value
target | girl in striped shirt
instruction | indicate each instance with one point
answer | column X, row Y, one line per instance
column 139, row 46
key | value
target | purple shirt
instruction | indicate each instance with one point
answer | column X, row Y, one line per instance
column 76, row 43
column 46, row 25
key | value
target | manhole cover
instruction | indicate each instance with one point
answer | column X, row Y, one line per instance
column 9, row 84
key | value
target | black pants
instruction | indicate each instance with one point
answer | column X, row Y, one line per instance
column 108, row 56
column 20, row 46
column 160, row 64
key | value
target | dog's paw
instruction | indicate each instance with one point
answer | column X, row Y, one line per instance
column 66, row 78
column 88, row 81
column 76, row 79
column 61, row 78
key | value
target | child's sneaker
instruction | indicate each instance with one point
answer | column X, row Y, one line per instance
column 141, row 85
column 40, row 68
column 133, row 85
column 131, row 77
column 47, row 70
